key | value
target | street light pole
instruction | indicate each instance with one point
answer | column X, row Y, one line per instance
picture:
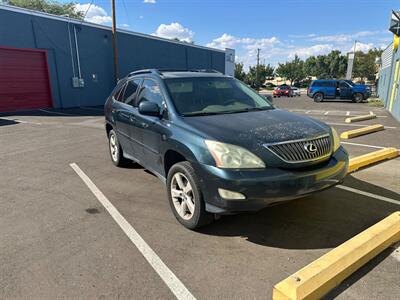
column 258, row 63
column 114, row 41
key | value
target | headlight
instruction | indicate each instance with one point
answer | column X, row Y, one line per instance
column 233, row 157
column 336, row 139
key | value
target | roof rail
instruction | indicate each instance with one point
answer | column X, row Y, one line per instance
column 160, row 71
column 204, row 70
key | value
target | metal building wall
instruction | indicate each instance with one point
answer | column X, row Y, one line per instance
column 393, row 98
column 27, row 29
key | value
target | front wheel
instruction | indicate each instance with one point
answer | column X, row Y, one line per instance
column 185, row 196
column 358, row 97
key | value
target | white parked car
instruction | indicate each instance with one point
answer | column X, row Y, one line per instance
column 296, row 91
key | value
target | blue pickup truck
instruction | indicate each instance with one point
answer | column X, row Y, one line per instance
column 342, row 89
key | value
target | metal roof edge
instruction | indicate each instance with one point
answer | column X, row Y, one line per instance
column 76, row 21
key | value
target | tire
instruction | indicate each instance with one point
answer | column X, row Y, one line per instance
column 358, row 97
column 318, row 97
column 179, row 177
column 115, row 150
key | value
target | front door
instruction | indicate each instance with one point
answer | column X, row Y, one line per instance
column 152, row 128
column 344, row 90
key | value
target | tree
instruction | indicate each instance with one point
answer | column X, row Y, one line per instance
column 331, row 65
column 48, row 6
column 364, row 64
column 239, row 72
column 257, row 75
column 292, row 70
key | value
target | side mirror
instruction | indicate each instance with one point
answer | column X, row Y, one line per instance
column 148, row 108
column 268, row 98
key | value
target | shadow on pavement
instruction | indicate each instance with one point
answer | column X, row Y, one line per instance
column 360, row 273
column 5, row 122
column 323, row 220
column 54, row 112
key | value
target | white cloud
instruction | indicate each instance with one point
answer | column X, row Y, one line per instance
column 362, row 47
column 141, row 17
column 94, row 13
column 343, row 38
column 312, row 50
column 174, row 30
column 149, row 1
column 229, row 41
column 124, row 25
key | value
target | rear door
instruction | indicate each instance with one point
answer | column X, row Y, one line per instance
column 124, row 114
column 330, row 89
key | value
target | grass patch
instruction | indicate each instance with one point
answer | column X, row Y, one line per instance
column 375, row 102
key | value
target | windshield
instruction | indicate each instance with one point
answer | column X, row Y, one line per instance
column 213, row 95
column 349, row 82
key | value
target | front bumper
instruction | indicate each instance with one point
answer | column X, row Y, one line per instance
column 268, row 186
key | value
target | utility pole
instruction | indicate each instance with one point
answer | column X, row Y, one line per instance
column 258, row 63
column 114, row 41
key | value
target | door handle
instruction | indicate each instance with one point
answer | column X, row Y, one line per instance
column 132, row 118
column 145, row 125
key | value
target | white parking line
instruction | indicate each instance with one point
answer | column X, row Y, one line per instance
column 334, row 113
column 355, row 125
column 360, row 192
column 347, row 113
column 174, row 284
column 364, row 145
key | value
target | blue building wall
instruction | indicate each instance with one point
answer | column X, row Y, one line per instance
column 27, row 29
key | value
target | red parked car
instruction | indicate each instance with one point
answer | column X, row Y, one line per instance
column 283, row 90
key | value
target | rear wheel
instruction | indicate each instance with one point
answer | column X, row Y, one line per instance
column 115, row 150
column 185, row 196
column 358, row 97
column 318, row 97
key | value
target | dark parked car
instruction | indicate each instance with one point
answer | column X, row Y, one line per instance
column 283, row 90
column 217, row 144
column 342, row 89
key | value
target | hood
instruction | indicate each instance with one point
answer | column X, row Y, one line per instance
column 252, row 129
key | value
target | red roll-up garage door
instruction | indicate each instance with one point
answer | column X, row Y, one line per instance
column 24, row 79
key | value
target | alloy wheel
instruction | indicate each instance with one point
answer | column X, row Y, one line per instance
column 113, row 147
column 182, row 196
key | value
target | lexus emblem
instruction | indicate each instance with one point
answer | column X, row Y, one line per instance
column 310, row 148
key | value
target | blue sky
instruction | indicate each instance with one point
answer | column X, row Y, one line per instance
column 280, row 29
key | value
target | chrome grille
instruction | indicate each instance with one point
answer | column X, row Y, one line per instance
column 295, row 151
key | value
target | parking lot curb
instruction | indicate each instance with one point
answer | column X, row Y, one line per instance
column 319, row 277
column 361, row 131
column 358, row 162
column 359, row 118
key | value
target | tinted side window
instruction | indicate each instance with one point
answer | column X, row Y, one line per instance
column 119, row 92
column 130, row 91
column 150, row 92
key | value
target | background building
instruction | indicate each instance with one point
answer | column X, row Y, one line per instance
column 389, row 73
column 52, row 61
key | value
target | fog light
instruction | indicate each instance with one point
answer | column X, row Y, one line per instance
column 226, row 194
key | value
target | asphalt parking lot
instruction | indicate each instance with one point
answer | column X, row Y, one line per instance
column 58, row 241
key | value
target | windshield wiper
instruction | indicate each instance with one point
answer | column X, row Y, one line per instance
column 251, row 109
column 201, row 113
